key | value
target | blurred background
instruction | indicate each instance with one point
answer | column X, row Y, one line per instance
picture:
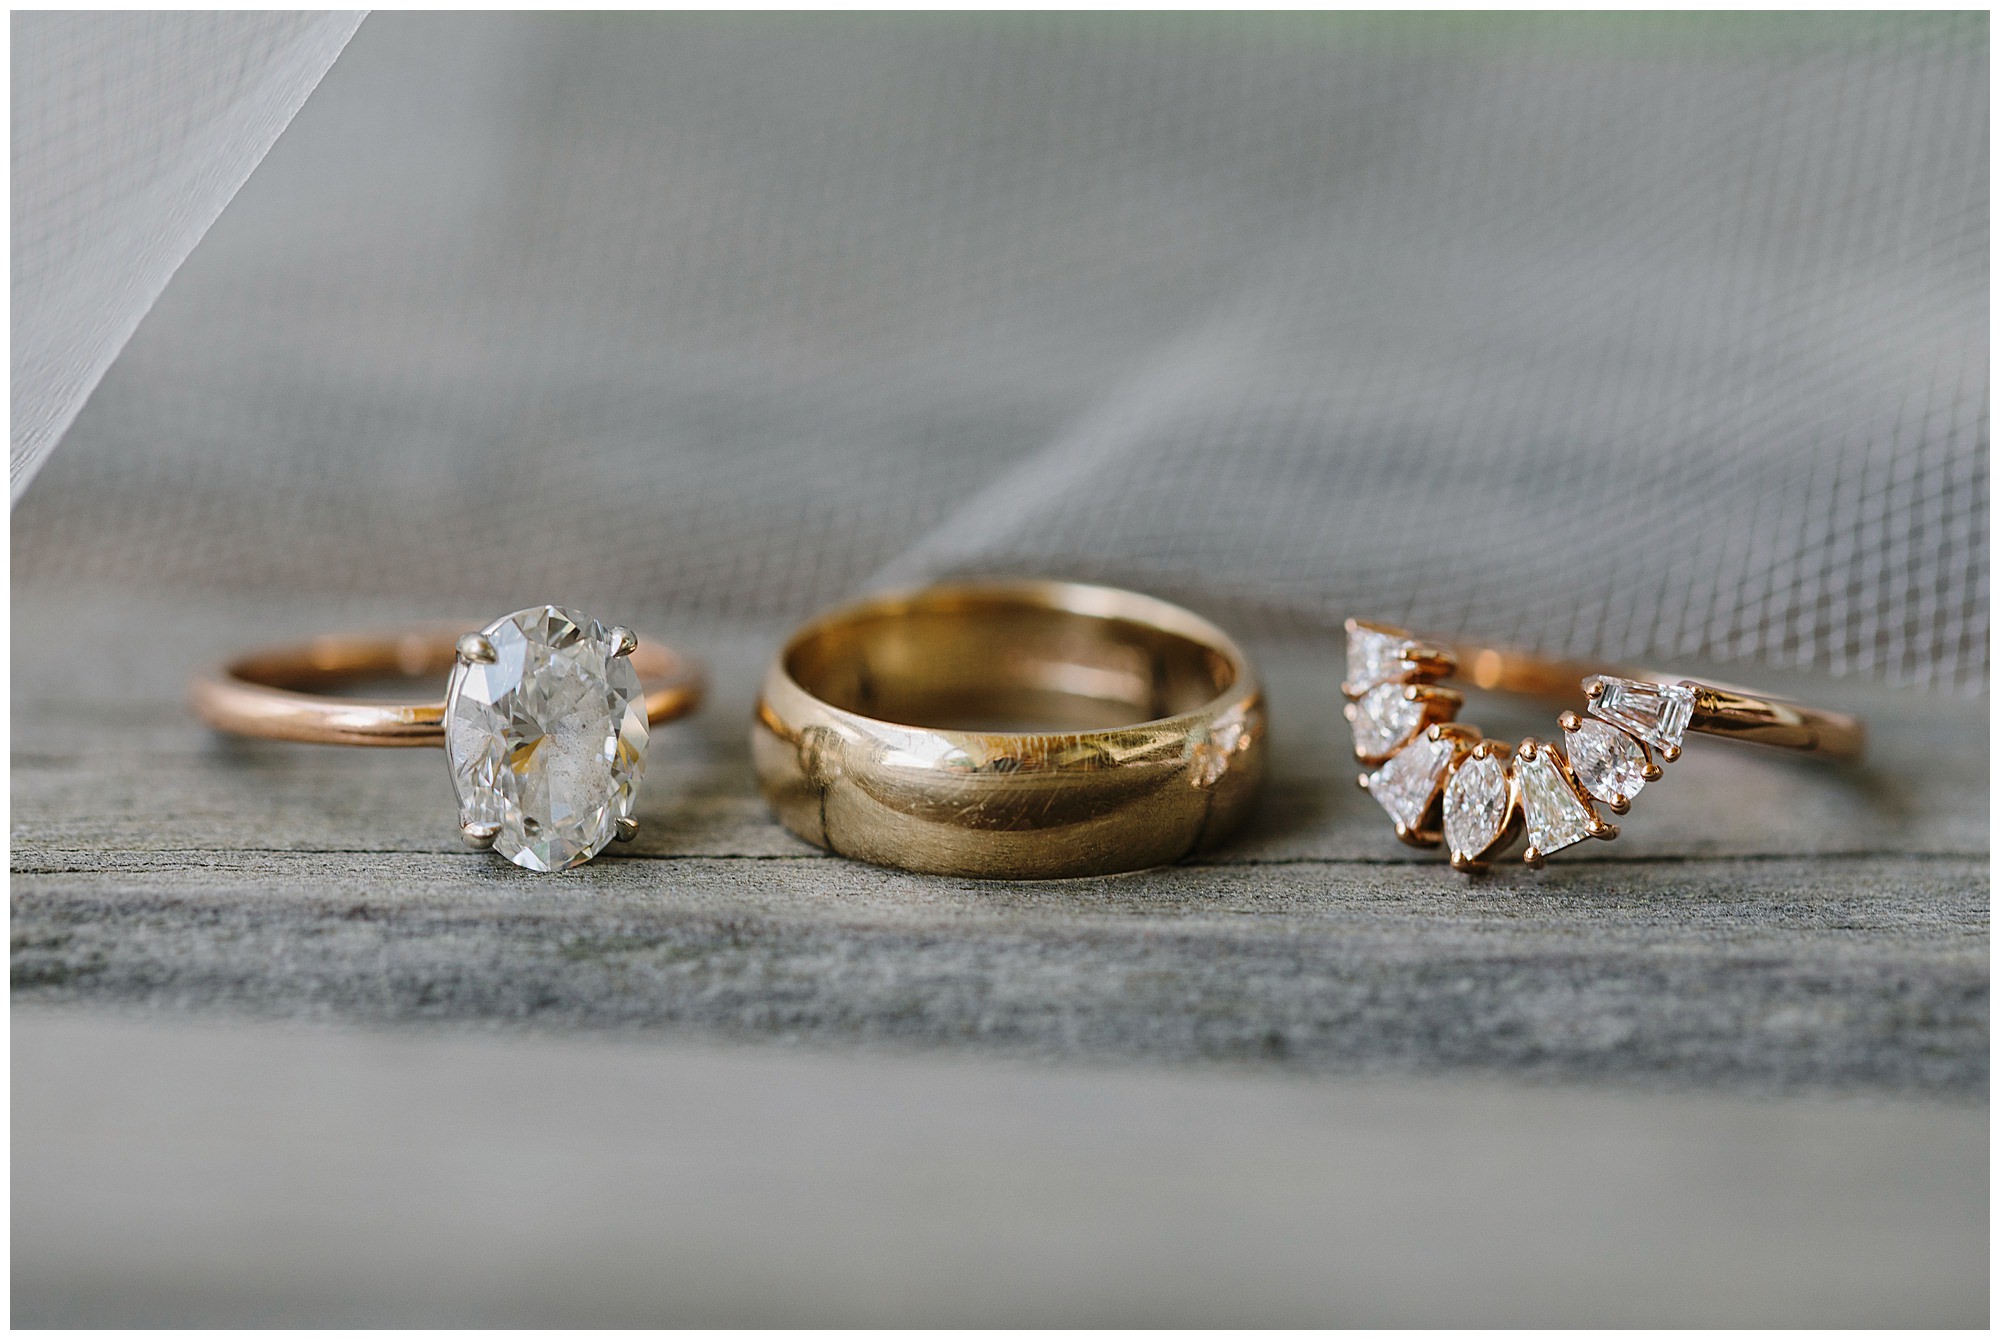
column 1638, row 336
column 1614, row 335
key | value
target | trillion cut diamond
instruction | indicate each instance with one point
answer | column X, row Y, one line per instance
column 1475, row 807
column 1407, row 783
column 1375, row 656
column 1557, row 817
column 1384, row 718
column 1656, row 713
column 548, row 740
column 1607, row 761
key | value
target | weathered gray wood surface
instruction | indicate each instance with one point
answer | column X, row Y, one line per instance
column 1284, row 1087
column 1763, row 923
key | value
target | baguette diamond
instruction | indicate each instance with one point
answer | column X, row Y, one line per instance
column 1656, row 713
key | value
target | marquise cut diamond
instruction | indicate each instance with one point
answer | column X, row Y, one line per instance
column 1407, row 783
column 1385, row 717
column 1557, row 817
column 1475, row 807
column 1656, row 713
column 548, row 739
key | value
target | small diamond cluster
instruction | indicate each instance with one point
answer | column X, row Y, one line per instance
column 1439, row 780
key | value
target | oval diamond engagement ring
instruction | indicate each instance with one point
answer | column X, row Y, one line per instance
column 1442, row 782
column 544, row 719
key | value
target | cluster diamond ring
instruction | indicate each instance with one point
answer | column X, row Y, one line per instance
column 544, row 718
column 1442, row 782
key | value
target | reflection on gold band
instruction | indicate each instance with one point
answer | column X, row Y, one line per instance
column 1020, row 730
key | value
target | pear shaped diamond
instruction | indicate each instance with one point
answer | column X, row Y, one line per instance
column 1557, row 816
column 1607, row 761
column 546, row 737
column 1383, row 719
column 1656, row 713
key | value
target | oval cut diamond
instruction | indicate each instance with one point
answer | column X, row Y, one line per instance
column 1475, row 807
column 548, row 739
column 1607, row 761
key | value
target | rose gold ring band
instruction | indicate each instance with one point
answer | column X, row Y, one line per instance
column 1442, row 782
column 1719, row 709
column 271, row 692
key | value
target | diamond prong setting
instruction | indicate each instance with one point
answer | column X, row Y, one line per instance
column 1654, row 714
column 545, row 730
column 1479, row 813
column 1409, row 787
column 1554, row 807
column 1389, row 716
column 1379, row 654
column 1611, row 764
column 1440, row 782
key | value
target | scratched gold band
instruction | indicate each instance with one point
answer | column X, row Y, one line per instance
column 1010, row 730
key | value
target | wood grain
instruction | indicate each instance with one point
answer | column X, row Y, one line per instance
column 1762, row 924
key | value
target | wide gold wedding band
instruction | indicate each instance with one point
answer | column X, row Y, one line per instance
column 1010, row 730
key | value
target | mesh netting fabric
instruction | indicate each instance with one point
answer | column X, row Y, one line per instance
column 1634, row 336
column 131, row 132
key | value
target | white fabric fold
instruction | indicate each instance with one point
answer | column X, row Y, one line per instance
column 132, row 131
